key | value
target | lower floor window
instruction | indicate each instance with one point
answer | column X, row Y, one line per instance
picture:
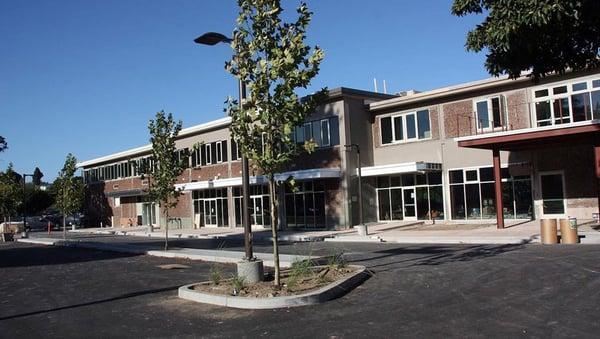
column 305, row 206
column 210, row 207
column 259, row 206
column 410, row 196
column 476, row 199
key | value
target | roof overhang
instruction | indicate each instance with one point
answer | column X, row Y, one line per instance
column 584, row 132
column 407, row 167
column 318, row 173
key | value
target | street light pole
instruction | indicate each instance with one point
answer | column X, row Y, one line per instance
column 211, row 39
column 362, row 228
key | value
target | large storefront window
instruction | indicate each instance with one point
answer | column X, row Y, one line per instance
column 410, row 197
column 259, row 206
column 472, row 194
column 305, row 206
column 210, row 208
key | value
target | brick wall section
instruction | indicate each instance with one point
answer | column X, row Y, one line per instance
column 517, row 110
column 334, row 203
column 210, row 172
column 183, row 208
column 434, row 116
column 456, row 118
column 322, row 158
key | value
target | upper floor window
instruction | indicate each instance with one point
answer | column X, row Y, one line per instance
column 490, row 112
column 575, row 101
column 324, row 132
column 405, row 127
column 235, row 151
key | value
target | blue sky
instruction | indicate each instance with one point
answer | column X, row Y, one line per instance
column 86, row 76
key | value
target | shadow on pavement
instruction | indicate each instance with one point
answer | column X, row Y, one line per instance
column 123, row 296
column 438, row 255
column 22, row 256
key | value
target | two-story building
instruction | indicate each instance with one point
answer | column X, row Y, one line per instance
column 211, row 183
column 435, row 155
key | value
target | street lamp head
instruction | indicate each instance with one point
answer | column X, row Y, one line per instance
column 212, row 38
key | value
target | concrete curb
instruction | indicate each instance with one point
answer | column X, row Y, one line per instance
column 326, row 293
column 230, row 257
column 439, row 239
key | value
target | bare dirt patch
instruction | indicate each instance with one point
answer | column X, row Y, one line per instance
column 294, row 282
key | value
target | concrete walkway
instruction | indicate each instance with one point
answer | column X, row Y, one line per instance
column 215, row 233
column 222, row 256
column 453, row 233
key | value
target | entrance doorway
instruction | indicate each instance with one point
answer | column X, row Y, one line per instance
column 410, row 209
column 553, row 194
column 148, row 213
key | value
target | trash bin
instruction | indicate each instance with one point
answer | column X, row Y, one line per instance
column 549, row 232
column 568, row 232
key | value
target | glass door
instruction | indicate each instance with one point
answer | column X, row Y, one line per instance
column 408, row 193
column 148, row 214
column 210, row 212
column 553, row 195
column 256, row 218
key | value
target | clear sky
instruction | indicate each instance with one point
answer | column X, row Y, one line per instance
column 86, row 76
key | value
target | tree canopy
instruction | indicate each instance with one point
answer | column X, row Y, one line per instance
column 541, row 36
column 10, row 192
column 3, row 144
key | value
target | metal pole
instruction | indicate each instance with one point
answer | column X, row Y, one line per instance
column 24, row 233
column 245, row 190
column 360, row 197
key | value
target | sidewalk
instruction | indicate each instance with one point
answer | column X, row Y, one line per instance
column 451, row 233
column 215, row 233
column 222, row 256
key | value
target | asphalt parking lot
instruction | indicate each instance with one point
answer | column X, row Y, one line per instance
column 415, row 291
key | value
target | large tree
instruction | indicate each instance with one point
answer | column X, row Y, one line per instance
column 166, row 165
column 68, row 190
column 271, row 57
column 543, row 36
column 11, row 192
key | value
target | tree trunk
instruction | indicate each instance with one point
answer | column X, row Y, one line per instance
column 64, row 227
column 167, row 229
column 274, row 228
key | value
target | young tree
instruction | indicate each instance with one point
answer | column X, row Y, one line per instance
column 10, row 192
column 270, row 56
column 68, row 190
column 543, row 36
column 166, row 165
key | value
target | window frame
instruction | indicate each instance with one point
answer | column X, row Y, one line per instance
column 568, row 94
column 403, row 118
column 490, row 111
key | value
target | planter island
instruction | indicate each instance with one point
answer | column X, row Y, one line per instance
column 304, row 286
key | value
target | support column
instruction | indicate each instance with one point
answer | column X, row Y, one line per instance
column 498, row 189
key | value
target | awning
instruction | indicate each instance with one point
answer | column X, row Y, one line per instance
column 407, row 167
column 584, row 132
column 126, row 193
column 317, row 173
